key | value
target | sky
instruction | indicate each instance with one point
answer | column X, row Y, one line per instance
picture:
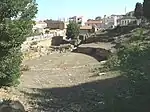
column 54, row 9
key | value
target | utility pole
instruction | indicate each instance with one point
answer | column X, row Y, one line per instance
column 125, row 10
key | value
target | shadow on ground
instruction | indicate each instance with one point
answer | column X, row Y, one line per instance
column 97, row 96
column 98, row 53
column 110, row 95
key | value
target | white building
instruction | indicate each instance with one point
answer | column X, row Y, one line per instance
column 116, row 18
column 112, row 21
column 127, row 20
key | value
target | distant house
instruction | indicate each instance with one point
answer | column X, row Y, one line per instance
column 95, row 23
column 111, row 21
column 116, row 17
column 127, row 20
column 85, row 29
column 55, row 24
column 104, row 23
column 76, row 19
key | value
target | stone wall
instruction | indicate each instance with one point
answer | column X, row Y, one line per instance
column 98, row 53
column 57, row 40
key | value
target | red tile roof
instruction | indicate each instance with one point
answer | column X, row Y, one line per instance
column 94, row 22
column 86, row 27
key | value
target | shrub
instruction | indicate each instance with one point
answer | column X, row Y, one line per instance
column 15, row 24
column 132, row 58
column 111, row 64
column 73, row 30
column 133, row 61
column 10, row 67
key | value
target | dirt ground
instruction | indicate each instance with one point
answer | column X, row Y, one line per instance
column 62, row 82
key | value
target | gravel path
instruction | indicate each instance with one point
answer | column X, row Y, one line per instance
column 58, row 70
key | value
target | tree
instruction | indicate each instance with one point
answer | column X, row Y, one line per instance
column 138, row 12
column 89, row 19
column 98, row 18
column 146, row 6
column 15, row 25
column 72, row 30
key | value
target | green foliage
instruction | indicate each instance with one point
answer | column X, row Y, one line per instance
column 72, row 30
column 111, row 64
column 146, row 12
column 15, row 25
column 132, row 58
column 98, row 18
column 138, row 12
column 10, row 67
column 133, row 61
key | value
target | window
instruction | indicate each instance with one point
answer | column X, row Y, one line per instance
column 122, row 22
column 125, row 22
column 128, row 21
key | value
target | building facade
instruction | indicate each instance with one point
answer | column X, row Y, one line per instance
column 55, row 24
column 76, row 19
column 95, row 23
column 127, row 21
column 111, row 21
column 85, row 29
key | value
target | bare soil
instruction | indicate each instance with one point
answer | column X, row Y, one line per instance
column 62, row 82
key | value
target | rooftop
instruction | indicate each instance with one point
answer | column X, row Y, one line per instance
column 94, row 21
column 85, row 27
column 128, row 17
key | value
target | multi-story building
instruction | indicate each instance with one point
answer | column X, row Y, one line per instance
column 104, row 23
column 128, row 19
column 115, row 18
column 111, row 21
column 76, row 19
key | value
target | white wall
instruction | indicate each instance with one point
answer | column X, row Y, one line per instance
column 125, row 22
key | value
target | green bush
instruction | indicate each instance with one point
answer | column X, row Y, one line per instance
column 13, row 33
column 10, row 67
column 133, row 61
column 73, row 30
column 132, row 58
